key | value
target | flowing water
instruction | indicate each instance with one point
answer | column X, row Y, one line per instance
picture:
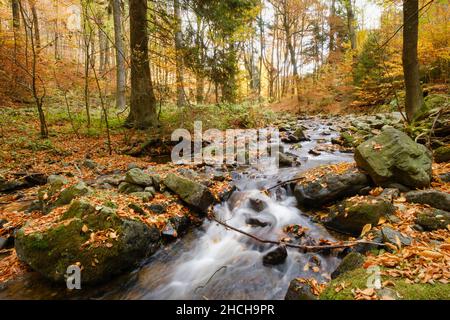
column 211, row 262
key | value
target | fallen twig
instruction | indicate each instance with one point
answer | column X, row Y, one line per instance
column 210, row 278
column 285, row 182
column 297, row 246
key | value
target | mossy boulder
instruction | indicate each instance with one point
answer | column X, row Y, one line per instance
column 138, row 177
column 359, row 278
column 431, row 103
column 190, row 191
column 128, row 188
column 351, row 261
column 56, row 182
column 392, row 157
column 95, row 238
column 300, row 135
column 442, row 154
column 433, row 219
column 351, row 215
column 68, row 194
column 46, row 201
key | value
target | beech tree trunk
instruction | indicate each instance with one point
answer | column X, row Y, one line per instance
column 181, row 99
column 37, row 35
column 143, row 102
column 120, row 56
column 414, row 95
column 351, row 23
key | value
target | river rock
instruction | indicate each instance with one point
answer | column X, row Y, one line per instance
column 299, row 291
column 256, row 222
column 390, row 194
column 156, row 208
column 70, row 193
column 285, row 160
column 136, row 208
column 351, row 215
column 138, row 177
column 436, row 199
column 144, row 196
column 90, row 164
column 394, row 237
column 128, row 188
column 330, row 187
column 275, row 256
column 257, row 204
column 68, row 242
column 442, row 154
column 392, row 156
column 300, row 135
column 190, row 191
column 445, row 177
column 3, row 242
column 351, row 261
column 433, row 219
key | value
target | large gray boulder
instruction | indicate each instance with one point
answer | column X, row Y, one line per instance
column 436, row 199
column 120, row 245
column 392, row 156
column 190, row 191
column 330, row 187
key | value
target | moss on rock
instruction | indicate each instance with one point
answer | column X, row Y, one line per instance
column 95, row 238
column 358, row 279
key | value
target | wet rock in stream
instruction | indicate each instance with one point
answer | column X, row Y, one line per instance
column 275, row 256
column 299, row 290
column 190, row 191
column 330, row 187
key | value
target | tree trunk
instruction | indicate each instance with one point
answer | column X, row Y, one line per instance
column 101, row 46
column 200, row 81
column 120, row 56
column 143, row 102
column 15, row 6
column 229, row 84
column 37, row 35
column 332, row 24
column 414, row 95
column 351, row 23
column 181, row 99
column 291, row 50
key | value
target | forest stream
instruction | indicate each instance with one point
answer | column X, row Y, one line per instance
column 211, row 262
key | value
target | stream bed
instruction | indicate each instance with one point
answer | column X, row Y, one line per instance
column 211, row 262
